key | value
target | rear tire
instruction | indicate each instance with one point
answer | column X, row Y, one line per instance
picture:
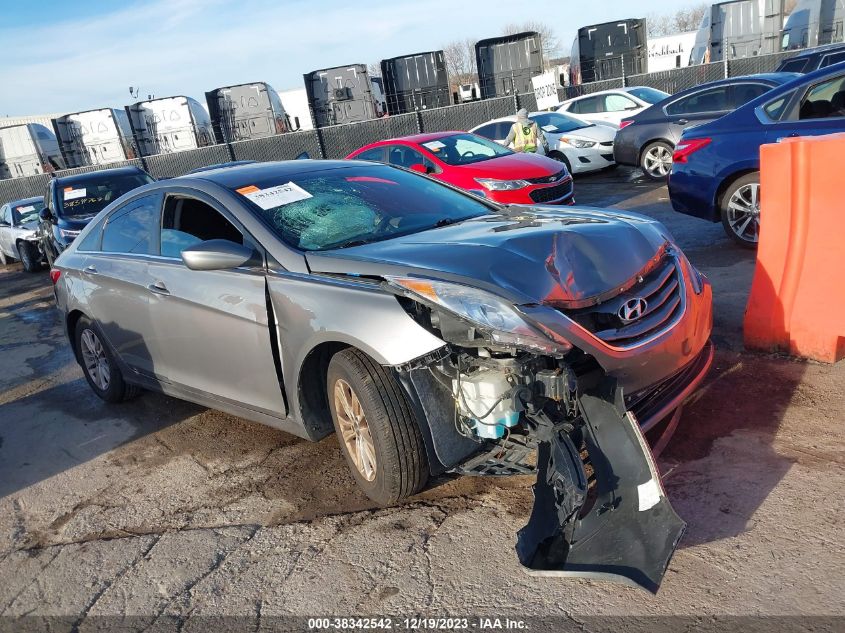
column 3, row 259
column 376, row 428
column 99, row 365
column 30, row 257
column 656, row 160
column 740, row 208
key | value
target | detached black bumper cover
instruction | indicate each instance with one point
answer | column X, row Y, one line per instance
column 625, row 528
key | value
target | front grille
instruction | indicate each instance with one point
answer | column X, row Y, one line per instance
column 547, row 180
column 662, row 289
column 550, row 194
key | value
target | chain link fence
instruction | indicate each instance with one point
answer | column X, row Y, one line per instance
column 338, row 141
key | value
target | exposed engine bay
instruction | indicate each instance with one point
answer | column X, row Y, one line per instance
column 600, row 509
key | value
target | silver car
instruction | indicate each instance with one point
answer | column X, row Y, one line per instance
column 19, row 233
column 434, row 331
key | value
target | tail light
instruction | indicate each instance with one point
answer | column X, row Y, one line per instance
column 685, row 148
column 625, row 123
column 55, row 273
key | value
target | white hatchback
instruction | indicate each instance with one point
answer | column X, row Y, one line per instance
column 581, row 145
column 611, row 106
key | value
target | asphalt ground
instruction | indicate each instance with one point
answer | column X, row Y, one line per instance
column 166, row 515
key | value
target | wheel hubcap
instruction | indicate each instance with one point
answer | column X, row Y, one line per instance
column 95, row 360
column 658, row 161
column 743, row 212
column 354, row 430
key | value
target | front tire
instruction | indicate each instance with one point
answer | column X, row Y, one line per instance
column 376, row 428
column 740, row 207
column 99, row 366
column 561, row 158
column 656, row 160
column 30, row 257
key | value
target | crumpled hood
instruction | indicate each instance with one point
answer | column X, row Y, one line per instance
column 530, row 255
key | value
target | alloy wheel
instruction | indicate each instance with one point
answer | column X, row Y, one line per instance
column 95, row 360
column 743, row 212
column 354, row 430
column 658, row 161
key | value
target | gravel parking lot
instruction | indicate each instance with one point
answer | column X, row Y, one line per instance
column 160, row 508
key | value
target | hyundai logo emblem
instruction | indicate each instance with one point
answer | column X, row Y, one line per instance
column 632, row 309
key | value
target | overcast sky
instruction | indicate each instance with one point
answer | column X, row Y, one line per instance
column 59, row 56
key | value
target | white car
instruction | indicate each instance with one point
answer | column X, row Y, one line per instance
column 581, row 145
column 611, row 106
column 18, row 233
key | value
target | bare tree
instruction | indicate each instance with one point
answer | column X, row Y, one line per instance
column 460, row 62
column 374, row 69
column 550, row 40
column 681, row 21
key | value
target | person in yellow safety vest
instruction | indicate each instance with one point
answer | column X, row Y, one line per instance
column 525, row 134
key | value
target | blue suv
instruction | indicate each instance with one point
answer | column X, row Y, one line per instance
column 716, row 166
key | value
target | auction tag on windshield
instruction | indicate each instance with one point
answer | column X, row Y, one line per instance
column 434, row 146
column 275, row 196
column 549, row 128
column 73, row 194
column 26, row 208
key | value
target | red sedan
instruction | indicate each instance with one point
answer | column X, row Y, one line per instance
column 478, row 165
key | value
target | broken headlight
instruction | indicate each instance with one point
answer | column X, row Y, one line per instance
column 496, row 320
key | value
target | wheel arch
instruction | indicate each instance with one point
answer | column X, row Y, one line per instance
column 311, row 389
column 70, row 325
column 726, row 183
column 645, row 146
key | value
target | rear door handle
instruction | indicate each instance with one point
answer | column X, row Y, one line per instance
column 159, row 288
column 683, row 121
column 91, row 270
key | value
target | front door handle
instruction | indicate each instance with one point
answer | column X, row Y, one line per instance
column 91, row 270
column 683, row 121
column 159, row 288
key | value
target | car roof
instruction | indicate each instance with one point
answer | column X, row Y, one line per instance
column 416, row 138
column 17, row 203
column 242, row 175
column 819, row 50
column 88, row 175
column 605, row 92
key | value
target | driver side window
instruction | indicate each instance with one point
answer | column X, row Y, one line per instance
column 188, row 221
column 403, row 156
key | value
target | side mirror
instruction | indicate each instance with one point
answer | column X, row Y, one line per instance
column 217, row 255
column 45, row 215
column 420, row 168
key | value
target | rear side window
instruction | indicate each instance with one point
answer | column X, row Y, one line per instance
column 824, row 100
column 590, row 105
column 489, row 131
column 793, row 66
column 406, row 157
column 743, row 93
column 133, row 228
column 188, row 221
column 376, row 154
column 712, row 100
column 92, row 241
column 833, row 58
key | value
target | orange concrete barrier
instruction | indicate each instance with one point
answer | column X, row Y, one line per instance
column 797, row 301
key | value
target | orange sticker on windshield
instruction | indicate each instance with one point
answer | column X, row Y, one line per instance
column 247, row 189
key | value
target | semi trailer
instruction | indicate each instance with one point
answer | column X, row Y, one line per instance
column 415, row 82
column 94, row 137
column 169, row 124
column 814, row 23
column 506, row 64
column 247, row 111
column 740, row 28
column 340, row 95
column 608, row 51
column 28, row 150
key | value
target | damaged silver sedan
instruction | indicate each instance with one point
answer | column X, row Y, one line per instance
column 433, row 331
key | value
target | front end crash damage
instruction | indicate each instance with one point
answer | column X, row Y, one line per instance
column 504, row 398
